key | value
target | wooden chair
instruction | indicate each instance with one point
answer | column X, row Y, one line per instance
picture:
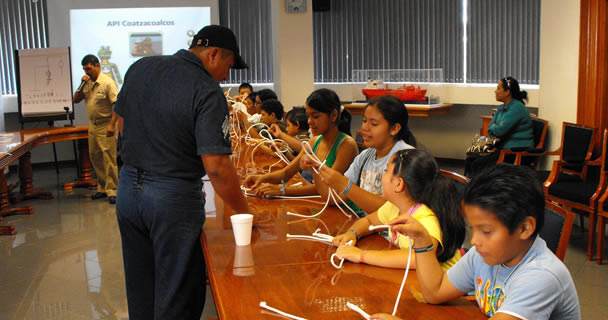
column 576, row 182
column 557, row 229
column 454, row 176
column 602, row 212
column 460, row 182
column 527, row 156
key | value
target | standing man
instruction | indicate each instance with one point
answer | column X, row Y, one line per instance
column 176, row 130
column 100, row 94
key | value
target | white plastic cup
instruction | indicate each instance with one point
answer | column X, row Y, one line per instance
column 241, row 227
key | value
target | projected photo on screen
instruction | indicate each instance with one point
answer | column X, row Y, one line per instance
column 146, row 44
column 119, row 37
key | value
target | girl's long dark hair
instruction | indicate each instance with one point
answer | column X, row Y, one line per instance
column 326, row 101
column 395, row 112
column 297, row 115
column 426, row 185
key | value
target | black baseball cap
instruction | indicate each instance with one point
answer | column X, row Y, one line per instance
column 220, row 37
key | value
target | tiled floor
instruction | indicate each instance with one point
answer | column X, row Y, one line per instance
column 66, row 263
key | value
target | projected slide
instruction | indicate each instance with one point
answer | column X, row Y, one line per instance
column 119, row 37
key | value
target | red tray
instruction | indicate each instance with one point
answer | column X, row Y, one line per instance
column 408, row 93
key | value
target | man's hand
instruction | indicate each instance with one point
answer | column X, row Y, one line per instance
column 110, row 130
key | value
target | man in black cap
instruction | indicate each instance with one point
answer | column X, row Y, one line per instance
column 176, row 129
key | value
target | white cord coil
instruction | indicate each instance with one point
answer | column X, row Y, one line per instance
column 334, row 256
column 407, row 270
column 332, row 195
column 358, row 310
column 265, row 305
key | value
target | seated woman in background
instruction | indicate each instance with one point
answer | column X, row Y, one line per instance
column 412, row 187
column 296, row 129
column 384, row 130
column 511, row 124
column 329, row 123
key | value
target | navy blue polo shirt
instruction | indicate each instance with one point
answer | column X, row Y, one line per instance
column 173, row 112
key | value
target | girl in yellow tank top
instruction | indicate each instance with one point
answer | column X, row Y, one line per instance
column 413, row 186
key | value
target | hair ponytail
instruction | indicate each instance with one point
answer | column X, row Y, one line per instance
column 512, row 85
column 344, row 121
column 442, row 198
column 426, row 185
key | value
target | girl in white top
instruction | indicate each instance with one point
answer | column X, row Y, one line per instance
column 384, row 130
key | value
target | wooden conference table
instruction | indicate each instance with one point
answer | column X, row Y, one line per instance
column 295, row 276
column 17, row 146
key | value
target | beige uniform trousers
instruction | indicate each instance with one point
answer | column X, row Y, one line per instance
column 102, row 151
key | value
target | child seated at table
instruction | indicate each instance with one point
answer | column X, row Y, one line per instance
column 413, row 187
column 272, row 113
column 513, row 273
column 331, row 126
column 296, row 129
column 384, row 130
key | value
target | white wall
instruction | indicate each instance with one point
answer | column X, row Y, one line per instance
column 292, row 48
column 559, row 53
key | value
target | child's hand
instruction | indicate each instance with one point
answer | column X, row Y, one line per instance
column 242, row 118
column 333, row 178
column 253, row 181
column 275, row 130
column 267, row 190
column 383, row 316
column 350, row 253
column 306, row 162
column 408, row 226
column 344, row 238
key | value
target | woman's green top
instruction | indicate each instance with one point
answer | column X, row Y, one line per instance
column 513, row 125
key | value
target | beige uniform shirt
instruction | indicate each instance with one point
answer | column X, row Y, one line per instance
column 100, row 97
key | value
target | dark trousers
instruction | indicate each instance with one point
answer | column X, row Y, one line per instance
column 160, row 221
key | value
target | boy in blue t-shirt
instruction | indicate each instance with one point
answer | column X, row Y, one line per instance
column 513, row 273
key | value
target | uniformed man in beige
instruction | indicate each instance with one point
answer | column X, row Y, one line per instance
column 100, row 93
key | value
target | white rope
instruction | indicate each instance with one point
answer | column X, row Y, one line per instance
column 289, row 213
column 332, row 195
column 309, row 238
column 265, row 305
column 247, row 192
column 358, row 310
column 334, row 255
column 407, row 270
column 379, row 227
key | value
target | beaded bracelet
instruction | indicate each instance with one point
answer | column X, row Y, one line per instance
column 347, row 188
column 424, row 249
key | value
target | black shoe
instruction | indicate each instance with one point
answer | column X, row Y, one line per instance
column 98, row 195
column 112, row 199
